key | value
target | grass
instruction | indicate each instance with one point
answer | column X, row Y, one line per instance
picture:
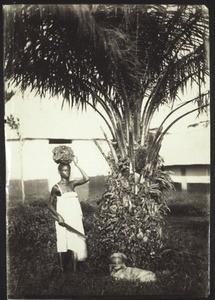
column 33, row 270
column 191, row 204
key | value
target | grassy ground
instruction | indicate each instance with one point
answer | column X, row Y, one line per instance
column 33, row 268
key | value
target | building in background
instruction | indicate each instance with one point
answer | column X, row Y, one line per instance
column 40, row 171
column 187, row 156
column 45, row 125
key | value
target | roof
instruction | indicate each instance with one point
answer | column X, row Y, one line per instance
column 189, row 147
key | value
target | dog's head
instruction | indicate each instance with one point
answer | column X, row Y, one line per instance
column 118, row 258
column 117, row 262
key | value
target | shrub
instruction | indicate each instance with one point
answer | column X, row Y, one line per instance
column 31, row 243
column 30, row 225
column 181, row 266
column 130, row 218
column 186, row 203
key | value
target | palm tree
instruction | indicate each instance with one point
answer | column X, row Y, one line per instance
column 125, row 61
column 128, row 58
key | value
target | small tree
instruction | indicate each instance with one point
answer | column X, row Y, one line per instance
column 15, row 125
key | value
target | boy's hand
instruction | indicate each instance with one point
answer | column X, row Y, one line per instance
column 61, row 220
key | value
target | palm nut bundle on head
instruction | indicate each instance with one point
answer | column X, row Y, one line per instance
column 63, row 155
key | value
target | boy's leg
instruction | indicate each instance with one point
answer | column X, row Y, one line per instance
column 60, row 260
column 74, row 262
column 71, row 260
column 63, row 261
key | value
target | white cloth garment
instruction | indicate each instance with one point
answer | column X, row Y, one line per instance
column 69, row 208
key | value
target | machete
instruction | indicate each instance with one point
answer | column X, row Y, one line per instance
column 70, row 228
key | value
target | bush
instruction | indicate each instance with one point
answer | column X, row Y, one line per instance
column 30, row 225
column 31, row 238
column 98, row 254
column 181, row 266
column 130, row 218
column 186, row 203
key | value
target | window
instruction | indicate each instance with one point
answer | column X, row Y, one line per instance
column 59, row 141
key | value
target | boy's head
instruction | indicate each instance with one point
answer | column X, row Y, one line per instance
column 64, row 170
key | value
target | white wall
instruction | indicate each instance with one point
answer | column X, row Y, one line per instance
column 89, row 157
column 46, row 118
column 191, row 146
column 13, row 160
column 37, row 161
column 193, row 174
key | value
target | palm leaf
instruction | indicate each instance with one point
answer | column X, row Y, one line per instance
column 128, row 58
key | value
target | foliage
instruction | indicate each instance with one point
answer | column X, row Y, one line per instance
column 8, row 95
column 14, row 124
column 30, row 224
column 187, row 203
column 140, row 158
column 81, row 66
column 130, row 60
column 33, row 266
column 131, row 213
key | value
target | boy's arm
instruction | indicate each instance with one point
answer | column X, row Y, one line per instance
column 85, row 176
column 51, row 207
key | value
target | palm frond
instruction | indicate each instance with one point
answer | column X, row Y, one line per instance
column 128, row 58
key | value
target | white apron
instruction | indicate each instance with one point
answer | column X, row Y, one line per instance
column 69, row 208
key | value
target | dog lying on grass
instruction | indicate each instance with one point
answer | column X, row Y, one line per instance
column 119, row 271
